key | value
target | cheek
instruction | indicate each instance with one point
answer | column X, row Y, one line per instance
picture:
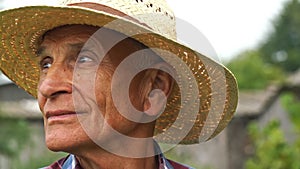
column 107, row 104
column 102, row 90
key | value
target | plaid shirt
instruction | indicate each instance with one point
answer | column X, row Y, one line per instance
column 70, row 162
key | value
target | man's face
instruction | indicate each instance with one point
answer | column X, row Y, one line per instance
column 74, row 91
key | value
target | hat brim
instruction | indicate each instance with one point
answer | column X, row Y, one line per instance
column 215, row 98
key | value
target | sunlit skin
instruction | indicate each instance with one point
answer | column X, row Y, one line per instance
column 71, row 98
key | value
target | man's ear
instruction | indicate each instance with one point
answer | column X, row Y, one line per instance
column 159, row 89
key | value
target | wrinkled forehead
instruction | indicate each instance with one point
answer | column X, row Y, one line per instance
column 76, row 32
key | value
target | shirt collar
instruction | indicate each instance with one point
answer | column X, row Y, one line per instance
column 72, row 163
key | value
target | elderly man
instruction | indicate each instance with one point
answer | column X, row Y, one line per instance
column 111, row 81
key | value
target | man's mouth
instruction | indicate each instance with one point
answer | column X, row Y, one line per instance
column 61, row 115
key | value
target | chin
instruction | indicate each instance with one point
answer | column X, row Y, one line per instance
column 61, row 138
column 56, row 142
column 56, row 147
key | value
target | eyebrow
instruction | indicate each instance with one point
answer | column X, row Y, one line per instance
column 76, row 46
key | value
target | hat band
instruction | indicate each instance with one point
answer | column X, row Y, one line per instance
column 107, row 9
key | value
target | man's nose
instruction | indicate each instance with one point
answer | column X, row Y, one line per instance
column 57, row 81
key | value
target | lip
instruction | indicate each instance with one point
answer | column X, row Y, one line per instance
column 50, row 114
column 60, row 115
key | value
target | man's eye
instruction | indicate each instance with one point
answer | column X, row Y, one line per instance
column 46, row 63
column 83, row 59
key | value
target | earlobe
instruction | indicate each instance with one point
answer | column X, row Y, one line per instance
column 156, row 102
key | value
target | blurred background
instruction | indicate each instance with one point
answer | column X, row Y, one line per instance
column 265, row 58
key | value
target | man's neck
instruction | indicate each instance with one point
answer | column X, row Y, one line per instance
column 97, row 158
column 118, row 162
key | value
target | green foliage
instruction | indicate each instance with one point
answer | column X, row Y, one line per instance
column 272, row 151
column 14, row 135
column 282, row 46
column 252, row 73
column 292, row 105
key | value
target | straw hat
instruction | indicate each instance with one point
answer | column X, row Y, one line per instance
column 200, row 105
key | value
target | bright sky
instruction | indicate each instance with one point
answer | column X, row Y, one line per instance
column 230, row 26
